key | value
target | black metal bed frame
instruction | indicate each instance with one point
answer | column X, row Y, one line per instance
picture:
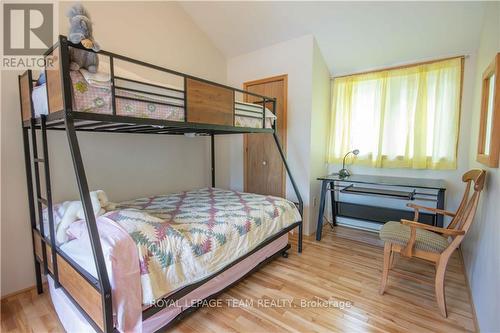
column 71, row 121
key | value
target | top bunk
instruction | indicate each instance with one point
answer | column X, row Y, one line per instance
column 126, row 95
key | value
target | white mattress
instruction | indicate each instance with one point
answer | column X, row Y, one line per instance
column 77, row 250
column 39, row 97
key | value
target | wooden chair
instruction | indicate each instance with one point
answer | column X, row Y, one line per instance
column 414, row 239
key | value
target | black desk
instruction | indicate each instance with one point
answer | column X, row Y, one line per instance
column 381, row 214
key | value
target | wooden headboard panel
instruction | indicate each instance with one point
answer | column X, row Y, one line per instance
column 208, row 103
column 25, row 87
column 54, row 88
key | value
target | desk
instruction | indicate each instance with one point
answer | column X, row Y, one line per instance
column 380, row 214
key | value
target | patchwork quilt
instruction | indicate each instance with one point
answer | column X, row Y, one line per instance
column 185, row 237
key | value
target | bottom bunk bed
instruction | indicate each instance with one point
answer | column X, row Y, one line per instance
column 165, row 254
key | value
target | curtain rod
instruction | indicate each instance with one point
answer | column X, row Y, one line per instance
column 401, row 66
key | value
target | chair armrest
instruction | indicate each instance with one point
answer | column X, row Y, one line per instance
column 435, row 210
column 444, row 231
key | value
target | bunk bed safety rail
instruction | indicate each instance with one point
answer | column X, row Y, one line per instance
column 190, row 100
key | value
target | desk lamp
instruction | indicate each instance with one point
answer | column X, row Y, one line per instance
column 343, row 173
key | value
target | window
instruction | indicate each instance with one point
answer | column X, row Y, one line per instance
column 405, row 117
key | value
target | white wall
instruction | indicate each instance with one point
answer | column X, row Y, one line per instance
column 320, row 120
column 481, row 247
column 295, row 58
column 125, row 166
column 307, row 115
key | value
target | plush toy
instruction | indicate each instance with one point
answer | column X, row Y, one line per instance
column 41, row 79
column 73, row 211
column 80, row 31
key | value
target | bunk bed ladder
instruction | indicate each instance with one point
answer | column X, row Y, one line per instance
column 29, row 180
column 36, row 160
column 41, row 201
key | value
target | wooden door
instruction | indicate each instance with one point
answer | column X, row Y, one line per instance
column 264, row 170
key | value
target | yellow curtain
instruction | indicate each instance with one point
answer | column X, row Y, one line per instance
column 399, row 118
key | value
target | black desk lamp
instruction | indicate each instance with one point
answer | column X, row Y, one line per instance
column 343, row 173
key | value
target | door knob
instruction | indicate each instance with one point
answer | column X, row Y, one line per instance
column 264, row 163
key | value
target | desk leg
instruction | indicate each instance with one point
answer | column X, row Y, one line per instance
column 319, row 226
column 334, row 203
column 440, row 205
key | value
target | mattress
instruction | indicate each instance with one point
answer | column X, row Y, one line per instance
column 157, row 245
column 136, row 99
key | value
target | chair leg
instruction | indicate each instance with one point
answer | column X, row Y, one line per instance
column 387, row 263
column 392, row 260
column 439, row 286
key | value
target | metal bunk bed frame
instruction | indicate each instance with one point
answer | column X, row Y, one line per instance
column 72, row 121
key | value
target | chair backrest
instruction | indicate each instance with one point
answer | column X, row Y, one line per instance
column 467, row 210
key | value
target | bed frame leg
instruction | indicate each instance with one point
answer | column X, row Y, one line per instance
column 295, row 188
column 83, row 187
column 299, row 242
column 104, row 284
column 212, row 157
column 38, row 277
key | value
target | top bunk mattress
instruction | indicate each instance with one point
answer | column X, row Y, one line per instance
column 180, row 238
column 93, row 93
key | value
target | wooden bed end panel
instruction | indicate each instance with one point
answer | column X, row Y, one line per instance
column 24, row 91
column 38, row 250
column 80, row 289
column 54, row 85
column 38, row 246
column 208, row 103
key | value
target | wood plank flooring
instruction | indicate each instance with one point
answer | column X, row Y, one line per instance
column 338, row 269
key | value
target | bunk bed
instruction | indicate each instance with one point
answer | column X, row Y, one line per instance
column 83, row 285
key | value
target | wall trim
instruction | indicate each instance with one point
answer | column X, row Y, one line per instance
column 21, row 291
column 469, row 291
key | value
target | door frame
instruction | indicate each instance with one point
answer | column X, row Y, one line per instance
column 283, row 135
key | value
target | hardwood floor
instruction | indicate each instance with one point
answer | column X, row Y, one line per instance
column 29, row 312
column 338, row 268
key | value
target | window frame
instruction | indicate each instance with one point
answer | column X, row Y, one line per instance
column 490, row 159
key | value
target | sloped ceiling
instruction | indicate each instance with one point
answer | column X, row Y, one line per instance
column 352, row 36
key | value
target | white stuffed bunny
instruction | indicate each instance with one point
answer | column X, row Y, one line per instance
column 73, row 211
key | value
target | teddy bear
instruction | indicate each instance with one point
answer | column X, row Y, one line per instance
column 80, row 31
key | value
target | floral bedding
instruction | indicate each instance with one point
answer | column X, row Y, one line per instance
column 183, row 238
column 97, row 99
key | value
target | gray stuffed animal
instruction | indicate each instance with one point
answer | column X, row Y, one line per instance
column 80, row 31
